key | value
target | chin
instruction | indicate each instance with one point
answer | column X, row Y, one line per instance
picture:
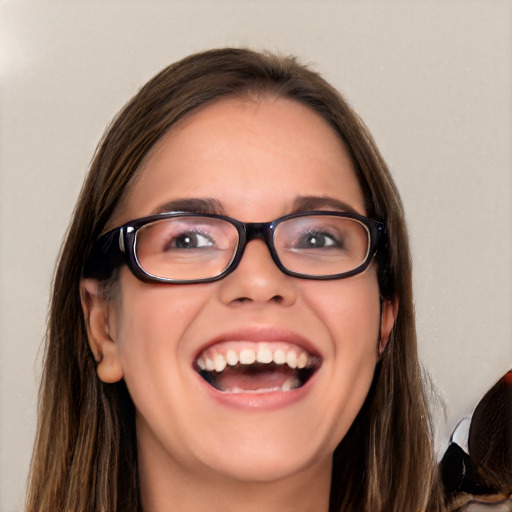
column 269, row 465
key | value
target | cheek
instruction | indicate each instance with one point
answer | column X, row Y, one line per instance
column 350, row 311
column 349, row 308
column 152, row 321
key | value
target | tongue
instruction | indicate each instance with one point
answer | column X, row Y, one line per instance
column 254, row 378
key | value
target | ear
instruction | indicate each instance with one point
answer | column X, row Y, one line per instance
column 98, row 320
column 388, row 314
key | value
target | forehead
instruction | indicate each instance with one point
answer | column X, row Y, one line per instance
column 252, row 155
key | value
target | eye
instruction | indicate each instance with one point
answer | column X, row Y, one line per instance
column 318, row 240
column 190, row 240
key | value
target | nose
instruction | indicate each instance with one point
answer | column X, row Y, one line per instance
column 258, row 280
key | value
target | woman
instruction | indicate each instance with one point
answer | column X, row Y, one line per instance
column 201, row 356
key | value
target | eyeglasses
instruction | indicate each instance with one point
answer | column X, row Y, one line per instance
column 184, row 247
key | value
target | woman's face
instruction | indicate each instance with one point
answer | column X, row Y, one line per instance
column 254, row 160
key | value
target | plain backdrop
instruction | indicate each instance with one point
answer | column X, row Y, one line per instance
column 432, row 79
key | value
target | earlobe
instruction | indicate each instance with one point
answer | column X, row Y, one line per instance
column 388, row 314
column 97, row 316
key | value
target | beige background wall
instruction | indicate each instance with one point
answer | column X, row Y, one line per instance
column 432, row 79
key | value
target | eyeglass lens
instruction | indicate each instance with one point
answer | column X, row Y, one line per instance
column 195, row 247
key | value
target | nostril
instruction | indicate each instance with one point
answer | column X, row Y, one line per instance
column 242, row 300
column 277, row 299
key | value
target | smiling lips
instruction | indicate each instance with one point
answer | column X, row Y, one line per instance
column 237, row 367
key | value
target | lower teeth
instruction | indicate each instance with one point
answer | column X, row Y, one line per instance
column 292, row 383
column 250, row 374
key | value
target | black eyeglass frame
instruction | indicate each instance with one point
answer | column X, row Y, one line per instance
column 117, row 246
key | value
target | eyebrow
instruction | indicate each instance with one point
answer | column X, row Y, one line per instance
column 305, row 203
column 192, row 205
column 214, row 206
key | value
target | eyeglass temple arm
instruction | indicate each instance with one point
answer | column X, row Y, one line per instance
column 105, row 256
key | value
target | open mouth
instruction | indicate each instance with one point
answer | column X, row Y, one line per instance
column 234, row 367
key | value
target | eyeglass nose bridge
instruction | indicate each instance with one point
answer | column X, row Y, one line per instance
column 249, row 231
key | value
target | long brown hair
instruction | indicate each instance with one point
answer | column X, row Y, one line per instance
column 85, row 456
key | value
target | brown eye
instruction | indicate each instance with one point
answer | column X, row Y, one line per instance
column 190, row 240
column 318, row 240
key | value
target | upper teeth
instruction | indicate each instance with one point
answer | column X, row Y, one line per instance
column 217, row 358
